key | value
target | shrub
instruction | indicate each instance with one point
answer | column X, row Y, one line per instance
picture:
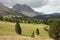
column 46, row 28
column 54, row 30
column 1, row 17
column 18, row 28
column 37, row 31
column 33, row 35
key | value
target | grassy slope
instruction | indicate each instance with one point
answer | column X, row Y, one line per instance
column 7, row 28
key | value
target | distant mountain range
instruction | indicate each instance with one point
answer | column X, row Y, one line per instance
column 24, row 10
column 48, row 16
column 20, row 9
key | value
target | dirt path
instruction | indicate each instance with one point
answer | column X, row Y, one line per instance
column 21, row 38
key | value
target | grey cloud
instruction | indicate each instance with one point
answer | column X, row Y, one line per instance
column 32, row 3
column 38, row 3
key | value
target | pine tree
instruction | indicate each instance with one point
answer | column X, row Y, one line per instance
column 18, row 28
column 33, row 35
column 37, row 31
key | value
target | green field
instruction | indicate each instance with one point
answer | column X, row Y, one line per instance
column 8, row 28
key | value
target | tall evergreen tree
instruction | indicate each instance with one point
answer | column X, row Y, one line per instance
column 37, row 31
column 18, row 28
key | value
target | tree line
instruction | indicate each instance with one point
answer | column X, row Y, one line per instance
column 23, row 19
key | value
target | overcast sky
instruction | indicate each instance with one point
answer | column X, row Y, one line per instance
column 51, row 7
column 32, row 3
column 45, row 6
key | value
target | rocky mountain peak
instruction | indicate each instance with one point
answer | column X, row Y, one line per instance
column 25, row 10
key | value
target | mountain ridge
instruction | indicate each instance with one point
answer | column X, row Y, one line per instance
column 25, row 10
column 48, row 16
column 4, row 10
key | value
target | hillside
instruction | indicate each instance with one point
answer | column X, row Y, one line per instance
column 11, row 15
column 48, row 16
column 4, row 11
column 8, row 28
column 7, row 31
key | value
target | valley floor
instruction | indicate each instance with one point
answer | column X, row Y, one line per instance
column 19, row 37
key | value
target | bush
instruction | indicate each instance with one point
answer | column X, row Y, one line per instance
column 1, row 17
column 33, row 35
column 18, row 28
column 37, row 31
column 46, row 28
column 54, row 30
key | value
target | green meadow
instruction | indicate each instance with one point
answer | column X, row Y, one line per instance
column 8, row 28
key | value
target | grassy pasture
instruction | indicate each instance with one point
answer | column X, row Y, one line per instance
column 8, row 28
